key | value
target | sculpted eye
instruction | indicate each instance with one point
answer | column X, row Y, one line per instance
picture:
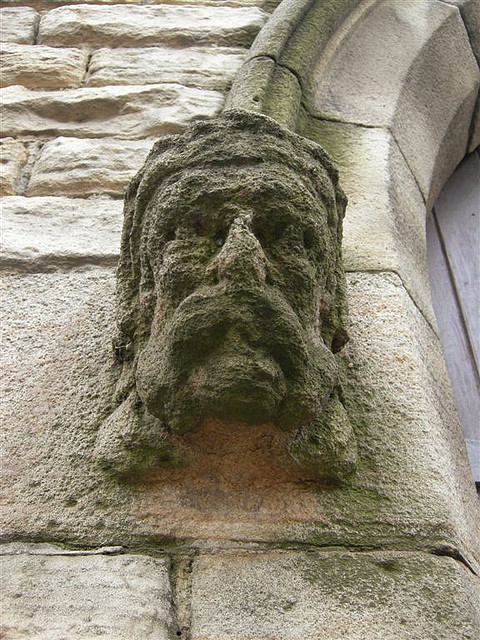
column 170, row 235
column 220, row 237
column 309, row 237
column 200, row 226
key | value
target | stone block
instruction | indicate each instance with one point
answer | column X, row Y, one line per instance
column 77, row 597
column 41, row 67
column 13, row 156
column 333, row 596
column 384, row 227
column 408, row 66
column 44, row 233
column 211, row 68
column 18, row 24
column 175, row 26
column 120, row 112
column 75, row 166
column 411, row 489
column 470, row 12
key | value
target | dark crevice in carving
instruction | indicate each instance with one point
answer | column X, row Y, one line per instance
column 181, row 598
column 456, row 554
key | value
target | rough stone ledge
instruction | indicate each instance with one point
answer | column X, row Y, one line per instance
column 119, row 597
column 43, row 232
column 130, row 25
column 293, row 596
column 36, row 66
column 17, row 548
column 18, row 24
column 122, row 112
column 80, row 167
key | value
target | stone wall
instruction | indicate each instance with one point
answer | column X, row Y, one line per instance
column 239, row 544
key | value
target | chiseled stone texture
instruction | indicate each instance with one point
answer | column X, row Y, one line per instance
column 18, row 24
column 470, row 12
column 54, row 597
column 384, row 226
column 120, row 112
column 80, row 167
column 34, row 66
column 408, row 66
column 335, row 595
column 13, row 156
column 176, row 26
column 206, row 67
column 39, row 233
column 412, row 488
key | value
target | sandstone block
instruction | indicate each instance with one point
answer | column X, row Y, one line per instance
column 13, row 156
column 384, row 227
column 336, row 595
column 124, row 25
column 120, row 112
column 74, row 166
column 424, row 89
column 58, row 374
column 470, row 12
column 40, row 233
column 18, row 24
column 41, row 67
column 212, row 68
column 55, row 597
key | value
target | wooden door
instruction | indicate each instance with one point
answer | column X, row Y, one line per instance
column 453, row 244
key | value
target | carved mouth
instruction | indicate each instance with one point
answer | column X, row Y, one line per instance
column 241, row 354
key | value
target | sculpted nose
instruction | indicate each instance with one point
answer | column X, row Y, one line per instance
column 241, row 259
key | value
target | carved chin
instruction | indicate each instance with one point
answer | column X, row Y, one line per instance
column 241, row 356
column 237, row 383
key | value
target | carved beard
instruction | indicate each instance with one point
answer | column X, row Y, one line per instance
column 241, row 355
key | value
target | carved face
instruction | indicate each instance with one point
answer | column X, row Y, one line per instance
column 242, row 262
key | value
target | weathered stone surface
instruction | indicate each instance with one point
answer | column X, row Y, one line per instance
column 124, row 25
column 336, row 595
column 13, row 156
column 384, row 228
column 246, row 255
column 121, row 112
column 408, row 66
column 42, row 233
column 212, row 68
column 74, row 166
column 18, row 24
column 41, row 67
column 236, row 482
column 470, row 12
column 76, row 597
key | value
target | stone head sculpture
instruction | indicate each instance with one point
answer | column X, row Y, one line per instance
column 231, row 294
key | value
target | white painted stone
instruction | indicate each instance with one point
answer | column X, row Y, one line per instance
column 75, row 166
column 34, row 66
column 124, row 25
column 407, row 66
column 57, row 597
column 45, row 232
column 384, row 227
column 121, row 112
column 18, row 24
column 212, row 68
column 333, row 595
column 13, row 156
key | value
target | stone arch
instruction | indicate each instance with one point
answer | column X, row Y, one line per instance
column 391, row 90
